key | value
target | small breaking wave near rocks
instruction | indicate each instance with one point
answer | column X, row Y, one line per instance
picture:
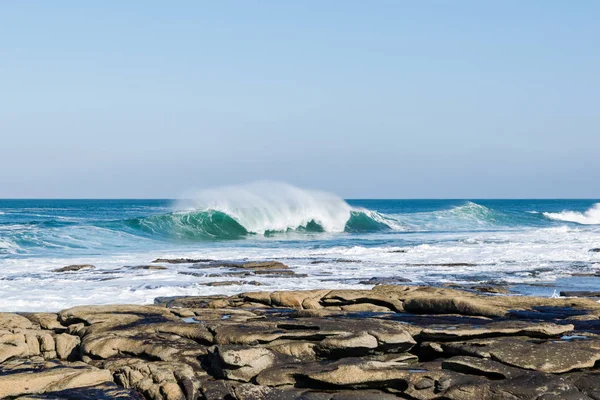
column 589, row 217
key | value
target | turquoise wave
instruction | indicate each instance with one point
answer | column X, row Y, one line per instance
column 191, row 226
column 213, row 224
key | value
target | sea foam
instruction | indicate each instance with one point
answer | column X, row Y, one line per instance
column 263, row 207
column 589, row 217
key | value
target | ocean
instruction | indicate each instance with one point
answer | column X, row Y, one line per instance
column 533, row 246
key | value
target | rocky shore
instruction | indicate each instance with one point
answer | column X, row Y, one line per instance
column 393, row 341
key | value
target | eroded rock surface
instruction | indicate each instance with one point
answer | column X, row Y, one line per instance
column 392, row 341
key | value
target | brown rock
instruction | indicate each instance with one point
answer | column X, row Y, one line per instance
column 67, row 346
column 502, row 328
column 553, row 356
column 45, row 321
column 243, row 364
column 11, row 321
column 17, row 377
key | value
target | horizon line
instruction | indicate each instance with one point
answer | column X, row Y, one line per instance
column 344, row 198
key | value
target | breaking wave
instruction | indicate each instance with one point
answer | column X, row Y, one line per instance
column 263, row 208
column 589, row 217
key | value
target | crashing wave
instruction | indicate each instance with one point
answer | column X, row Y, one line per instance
column 263, row 208
column 589, row 217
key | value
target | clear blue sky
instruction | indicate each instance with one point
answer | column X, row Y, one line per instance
column 362, row 98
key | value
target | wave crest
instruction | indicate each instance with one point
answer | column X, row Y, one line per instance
column 589, row 217
column 262, row 208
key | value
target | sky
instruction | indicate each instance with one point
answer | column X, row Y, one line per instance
column 367, row 99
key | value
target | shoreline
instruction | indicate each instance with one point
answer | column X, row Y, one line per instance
column 66, row 285
column 392, row 341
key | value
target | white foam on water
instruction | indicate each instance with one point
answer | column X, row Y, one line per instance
column 589, row 217
column 272, row 206
column 533, row 255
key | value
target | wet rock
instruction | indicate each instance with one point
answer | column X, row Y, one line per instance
column 149, row 267
column 181, row 260
column 232, row 283
column 458, row 264
column 75, row 267
column 385, row 281
column 263, row 265
column 580, row 293
column 336, row 260
column 595, row 250
column 490, row 289
column 252, row 265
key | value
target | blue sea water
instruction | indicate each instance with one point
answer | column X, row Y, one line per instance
column 528, row 244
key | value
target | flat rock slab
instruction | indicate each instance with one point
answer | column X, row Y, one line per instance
column 34, row 376
column 551, row 356
column 581, row 293
column 494, row 329
column 106, row 391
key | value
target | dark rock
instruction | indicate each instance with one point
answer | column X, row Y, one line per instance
column 152, row 267
column 188, row 301
column 232, row 283
column 490, row 289
column 107, row 391
column 595, row 250
column 336, row 260
column 494, row 329
column 586, row 382
column 385, row 281
column 182, row 260
column 581, row 293
column 459, row 264
column 75, row 267
column 540, row 355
